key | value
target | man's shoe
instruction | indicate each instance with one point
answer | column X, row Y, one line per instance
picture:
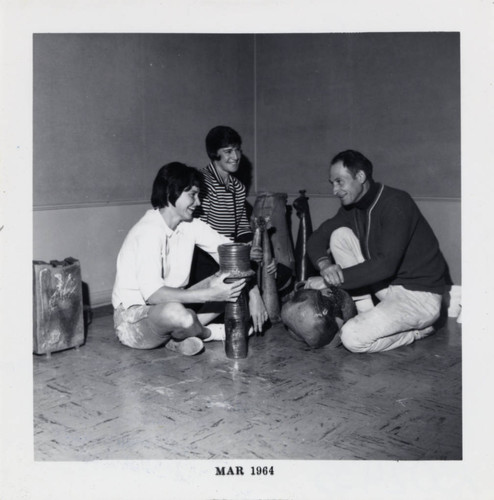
column 425, row 332
column 188, row 347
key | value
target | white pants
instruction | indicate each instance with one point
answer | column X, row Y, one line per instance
column 401, row 317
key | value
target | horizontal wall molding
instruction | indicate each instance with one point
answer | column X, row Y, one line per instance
column 65, row 206
column 42, row 208
column 100, row 298
column 425, row 198
column 319, row 195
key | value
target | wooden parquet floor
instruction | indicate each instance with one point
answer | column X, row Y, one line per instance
column 106, row 401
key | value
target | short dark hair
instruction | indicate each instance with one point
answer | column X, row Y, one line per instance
column 171, row 181
column 354, row 161
column 221, row 137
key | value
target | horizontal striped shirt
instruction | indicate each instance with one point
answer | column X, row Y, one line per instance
column 223, row 205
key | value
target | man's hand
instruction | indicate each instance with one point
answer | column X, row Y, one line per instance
column 225, row 292
column 315, row 283
column 332, row 275
column 257, row 309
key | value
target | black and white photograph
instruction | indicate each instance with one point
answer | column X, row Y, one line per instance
column 246, row 260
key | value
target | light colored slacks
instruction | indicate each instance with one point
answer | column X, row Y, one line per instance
column 401, row 317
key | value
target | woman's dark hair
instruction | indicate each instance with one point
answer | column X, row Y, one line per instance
column 221, row 137
column 171, row 181
column 354, row 161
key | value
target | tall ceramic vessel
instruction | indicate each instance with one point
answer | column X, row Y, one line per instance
column 235, row 260
column 272, row 206
column 268, row 281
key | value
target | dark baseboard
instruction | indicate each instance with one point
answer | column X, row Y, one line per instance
column 98, row 312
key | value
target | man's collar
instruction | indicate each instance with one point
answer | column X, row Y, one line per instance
column 369, row 197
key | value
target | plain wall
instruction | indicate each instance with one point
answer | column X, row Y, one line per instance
column 93, row 235
column 395, row 97
column 109, row 110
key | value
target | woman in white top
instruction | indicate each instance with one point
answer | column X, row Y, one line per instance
column 153, row 268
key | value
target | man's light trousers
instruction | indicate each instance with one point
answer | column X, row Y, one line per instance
column 401, row 317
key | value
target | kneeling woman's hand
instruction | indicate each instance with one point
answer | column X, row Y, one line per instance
column 256, row 254
column 257, row 309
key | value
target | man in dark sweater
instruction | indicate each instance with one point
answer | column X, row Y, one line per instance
column 382, row 247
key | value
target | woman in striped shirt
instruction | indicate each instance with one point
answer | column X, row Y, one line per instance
column 223, row 196
column 223, row 207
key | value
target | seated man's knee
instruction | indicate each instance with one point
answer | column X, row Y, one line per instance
column 345, row 247
column 339, row 237
column 351, row 337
